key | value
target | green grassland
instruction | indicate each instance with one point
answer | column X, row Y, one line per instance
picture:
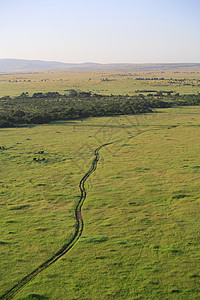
column 141, row 214
column 103, row 83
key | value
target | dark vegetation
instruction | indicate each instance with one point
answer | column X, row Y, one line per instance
column 46, row 107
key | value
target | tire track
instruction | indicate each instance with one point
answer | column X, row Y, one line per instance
column 66, row 247
column 78, row 231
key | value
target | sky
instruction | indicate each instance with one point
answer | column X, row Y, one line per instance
column 101, row 31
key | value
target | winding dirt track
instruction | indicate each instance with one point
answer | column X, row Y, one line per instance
column 78, row 231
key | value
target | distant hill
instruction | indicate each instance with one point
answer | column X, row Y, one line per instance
column 26, row 66
column 22, row 65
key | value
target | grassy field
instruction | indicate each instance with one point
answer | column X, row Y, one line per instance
column 103, row 83
column 141, row 214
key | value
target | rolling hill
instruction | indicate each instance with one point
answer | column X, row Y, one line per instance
column 26, row 66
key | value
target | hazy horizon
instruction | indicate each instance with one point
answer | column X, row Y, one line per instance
column 96, row 62
column 106, row 32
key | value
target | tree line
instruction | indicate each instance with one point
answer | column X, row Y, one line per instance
column 52, row 106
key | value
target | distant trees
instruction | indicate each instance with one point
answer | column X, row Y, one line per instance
column 51, row 106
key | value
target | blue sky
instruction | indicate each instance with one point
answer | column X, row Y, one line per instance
column 106, row 31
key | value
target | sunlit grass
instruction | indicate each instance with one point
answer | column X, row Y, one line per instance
column 141, row 214
column 118, row 83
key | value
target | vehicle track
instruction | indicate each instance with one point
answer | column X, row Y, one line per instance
column 78, row 231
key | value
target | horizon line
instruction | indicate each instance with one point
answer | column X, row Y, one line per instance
column 100, row 63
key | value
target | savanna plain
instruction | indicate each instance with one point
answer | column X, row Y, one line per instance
column 141, row 214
